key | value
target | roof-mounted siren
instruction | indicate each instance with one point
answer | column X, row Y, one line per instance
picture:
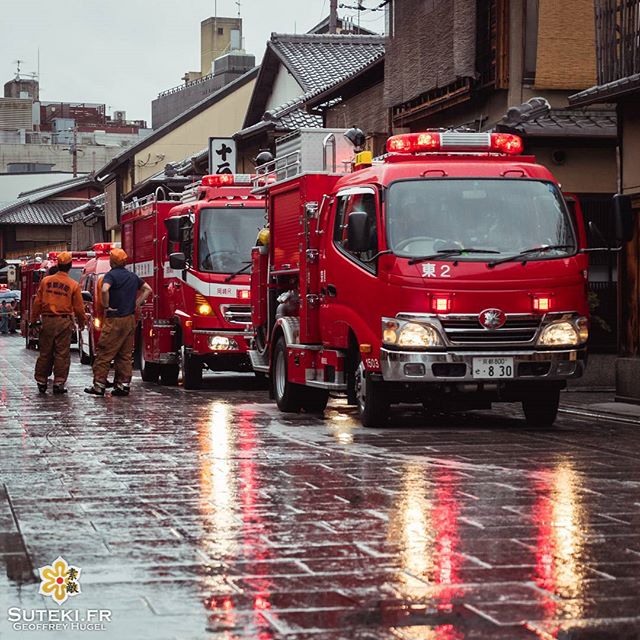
column 358, row 139
column 453, row 141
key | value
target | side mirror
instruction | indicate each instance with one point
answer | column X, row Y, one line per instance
column 358, row 231
column 178, row 261
column 87, row 296
column 174, row 228
column 624, row 217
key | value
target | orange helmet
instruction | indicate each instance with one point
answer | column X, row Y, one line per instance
column 64, row 257
column 118, row 256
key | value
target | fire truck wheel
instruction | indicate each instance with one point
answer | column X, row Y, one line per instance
column 373, row 405
column 541, row 409
column 169, row 374
column 314, row 400
column 191, row 370
column 288, row 396
column 149, row 371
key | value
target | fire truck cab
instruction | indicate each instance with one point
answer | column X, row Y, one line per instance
column 90, row 282
column 195, row 256
column 31, row 273
column 451, row 274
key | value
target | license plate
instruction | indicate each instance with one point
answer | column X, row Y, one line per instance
column 493, row 367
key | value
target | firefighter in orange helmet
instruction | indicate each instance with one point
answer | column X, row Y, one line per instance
column 57, row 301
column 121, row 292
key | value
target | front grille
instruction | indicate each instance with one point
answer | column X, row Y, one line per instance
column 237, row 313
column 467, row 330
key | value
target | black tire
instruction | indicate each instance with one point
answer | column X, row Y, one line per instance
column 149, row 371
column 373, row 402
column 169, row 374
column 191, row 370
column 288, row 396
column 541, row 409
column 314, row 400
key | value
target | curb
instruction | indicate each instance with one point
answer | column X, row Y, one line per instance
column 612, row 417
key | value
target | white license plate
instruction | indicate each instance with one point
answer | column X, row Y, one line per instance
column 493, row 367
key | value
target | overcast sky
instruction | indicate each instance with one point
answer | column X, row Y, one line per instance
column 124, row 52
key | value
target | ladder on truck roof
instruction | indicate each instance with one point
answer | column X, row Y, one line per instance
column 305, row 151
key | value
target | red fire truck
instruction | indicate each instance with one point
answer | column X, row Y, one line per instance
column 194, row 255
column 31, row 272
column 452, row 273
column 90, row 281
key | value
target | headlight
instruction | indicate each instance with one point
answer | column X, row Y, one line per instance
column 560, row 334
column 417, row 335
column 389, row 332
column 97, row 323
column 583, row 329
column 222, row 343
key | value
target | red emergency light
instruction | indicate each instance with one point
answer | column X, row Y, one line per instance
column 453, row 141
column 441, row 304
column 104, row 246
column 541, row 303
column 227, row 179
column 218, row 180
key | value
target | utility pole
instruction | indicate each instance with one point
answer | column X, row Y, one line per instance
column 333, row 16
column 74, row 152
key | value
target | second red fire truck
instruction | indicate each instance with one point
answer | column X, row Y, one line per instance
column 196, row 257
column 451, row 274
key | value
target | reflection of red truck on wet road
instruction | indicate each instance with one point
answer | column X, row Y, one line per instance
column 450, row 274
column 194, row 255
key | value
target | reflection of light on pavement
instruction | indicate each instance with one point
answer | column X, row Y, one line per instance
column 217, row 482
column 562, row 528
column 229, row 453
column 424, row 527
column 341, row 427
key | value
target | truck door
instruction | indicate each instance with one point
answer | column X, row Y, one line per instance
column 349, row 285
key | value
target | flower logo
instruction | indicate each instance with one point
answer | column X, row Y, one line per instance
column 59, row 580
column 492, row 319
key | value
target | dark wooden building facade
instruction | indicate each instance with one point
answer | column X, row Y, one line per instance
column 618, row 58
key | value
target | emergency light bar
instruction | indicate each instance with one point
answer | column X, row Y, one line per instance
column 454, row 141
column 106, row 246
column 226, row 179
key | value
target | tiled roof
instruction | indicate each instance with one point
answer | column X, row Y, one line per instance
column 38, row 213
column 286, row 117
column 610, row 92
column 317, row 61
column 571, row 123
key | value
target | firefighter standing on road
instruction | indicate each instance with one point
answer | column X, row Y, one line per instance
column 57, row 300
column 121, row 292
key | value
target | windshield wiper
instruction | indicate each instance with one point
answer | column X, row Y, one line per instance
column 527, row 252
column 448, row 253
column 229, row 278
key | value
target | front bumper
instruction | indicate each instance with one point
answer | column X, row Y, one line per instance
column 457, row 366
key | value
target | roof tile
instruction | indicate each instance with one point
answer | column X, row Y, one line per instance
column 40, row 213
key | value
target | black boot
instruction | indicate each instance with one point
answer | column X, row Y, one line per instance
column 95, row 390
column 59, row 389
column 42, row 388
column 120, row 390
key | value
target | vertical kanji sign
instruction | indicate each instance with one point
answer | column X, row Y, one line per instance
column 222, row 155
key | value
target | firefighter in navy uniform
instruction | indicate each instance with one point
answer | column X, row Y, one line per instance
column 121, row 292
column 57, row 301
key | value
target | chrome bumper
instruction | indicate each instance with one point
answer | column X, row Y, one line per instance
column 562, row 365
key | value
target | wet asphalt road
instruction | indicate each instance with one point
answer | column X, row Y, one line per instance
column 197, row 514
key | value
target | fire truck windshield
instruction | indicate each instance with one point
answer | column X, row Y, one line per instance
column 497, row 216
column 75, row 273
column 226, row 236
